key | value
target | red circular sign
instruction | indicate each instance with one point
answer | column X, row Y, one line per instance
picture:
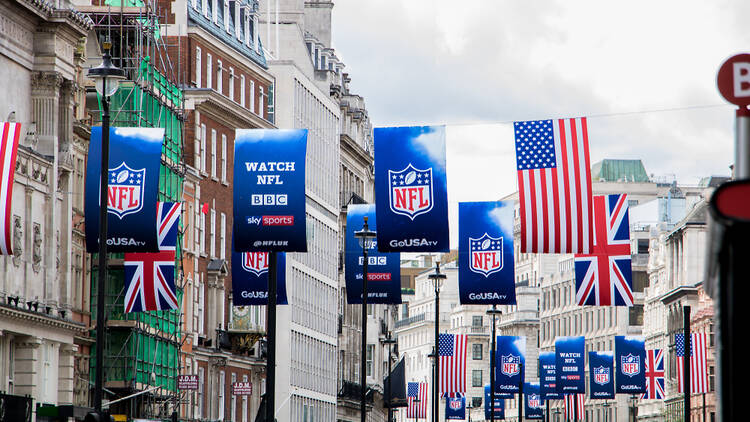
column 733, row 80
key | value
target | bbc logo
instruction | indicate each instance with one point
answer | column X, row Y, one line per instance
column 268, row 199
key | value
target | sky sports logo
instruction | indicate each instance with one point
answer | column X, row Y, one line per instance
column 271, row 220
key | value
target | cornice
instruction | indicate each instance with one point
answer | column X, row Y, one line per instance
column 40, row 319
column 222, row 109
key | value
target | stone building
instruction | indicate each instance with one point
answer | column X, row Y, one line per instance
column 43, row 285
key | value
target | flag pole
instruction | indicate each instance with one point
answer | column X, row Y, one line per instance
column 271, row 337
column 686, row 361
column 520, row 395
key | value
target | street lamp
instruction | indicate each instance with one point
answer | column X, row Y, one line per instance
column 634, row 406
column 107, row 78
column 437, row 279
column 606, row 410
column 494, row 312
column 389, row 341
column 365, row 237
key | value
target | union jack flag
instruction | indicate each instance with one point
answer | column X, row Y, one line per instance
column 452, row 354
column 698, row 362
column 150, row 276
column 554, row 185
column 604, row 277
column 10, row 133
column 416, row 393
column 574, row 407
column 654, row 375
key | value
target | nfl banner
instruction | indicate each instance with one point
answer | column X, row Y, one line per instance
column 455, row 408
column 269, row 190
column 383, row 269
column 601, row 368
column 510, row 361
column 250, row 278
column 486, row 273
column 410, row 184
column 547, row 378
column 499, row 404
column 569, row 360
column 630, row 355
column 132, row 188
column 533, row 401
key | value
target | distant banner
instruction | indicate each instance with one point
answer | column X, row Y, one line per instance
column 533, row 401
column 269, row 190
column 250, row 278
column 601, row 370
column 509, row 363
column 486, row 273
column 630, row 355
column 383, row 269
column 547, row 378
column 10, row 134
column 455, row 408
column 410, row 184
column 498, row 403
column 132, row 188
column 569, row 362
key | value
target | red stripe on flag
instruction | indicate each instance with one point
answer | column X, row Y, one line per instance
column 545, row 211
column 577, row 168
column 5, row 187
column 534, row 222
column 566, row 182
column 522, row 201
column 587, row 175
column 556, row 203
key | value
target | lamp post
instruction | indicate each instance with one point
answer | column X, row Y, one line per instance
column 388, row 392
column 606, row 410
column 365, row 237
column 493, row 312
column 107, row 78
column 437, row 279
column 416, row 402
column 634, row 406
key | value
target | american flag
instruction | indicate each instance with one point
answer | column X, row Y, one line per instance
column 416, row 391
column 572, row 410
column 698, row 362
column 554, row 185
column 604, row 276
column 150, row 276
column 11, row 132
column 452, row 353
column 654, row 375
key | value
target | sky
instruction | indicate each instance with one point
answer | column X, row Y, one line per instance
column 642, row 72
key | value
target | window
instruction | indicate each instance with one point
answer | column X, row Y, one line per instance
column 476, row 402
column 195, row 4
column 476, row 351
column 223, row 237
column 215, row 11
column 200, row 392
column 254, row 29
column 198, row 66
column 636, row 315
column 213, row 153
column 224, row 158
column 244, row 402
column 252, row 96
column 233, row 410
column 204, row 6
column 212, row 234
column 370, row 355
column 261, row 101
column 476, row 378
column 222, row 388
column 476, row 321
column 711, row 377
column 202, row 165
column 247, row 29
column 237, row 26
column 219, row 80
column 242, row 90
column 209, row 72
column 226, row 17
column 231, row 83
column 203, row 233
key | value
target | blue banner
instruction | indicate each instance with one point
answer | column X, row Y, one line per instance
column 411, row 189
column 547, row 378
column 499, row 404
column 250, row 278
column 455, row 408
column 132, row 188
column 269, row 190
column 383, row 269
column 601, row 375
column 533, row 401
column 630, row 355
column 510, row 363
column 486, row 273
column 569, row 362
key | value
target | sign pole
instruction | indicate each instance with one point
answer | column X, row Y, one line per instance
column 365, row 237
column 520, row 395
column 271, row 336
column 686, row 361
column 493, row 363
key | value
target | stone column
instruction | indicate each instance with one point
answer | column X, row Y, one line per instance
column 45, row 103
column 26, row 376
column 66, row 373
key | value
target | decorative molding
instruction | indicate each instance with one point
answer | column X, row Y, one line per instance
column 8, row 311
column 37, row 248
column 17, row 241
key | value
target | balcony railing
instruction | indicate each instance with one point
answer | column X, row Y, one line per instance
column 15, row 408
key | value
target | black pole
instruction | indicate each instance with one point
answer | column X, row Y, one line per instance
column 575, row 407
column 363, row 349
column 437, row 279
column 388, row 387
column 686, row 361
column 271, row 335
column 546, row 413
column 493, row 362
column 102, row 277
column 520, row 395
column 704, row 407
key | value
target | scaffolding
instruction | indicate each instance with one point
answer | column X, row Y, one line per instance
column 142, row 350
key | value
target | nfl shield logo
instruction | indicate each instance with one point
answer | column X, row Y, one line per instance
column 601, row 375
column 125, row 190
column 631, row 365
column 510, row 365
column 255, row 262
column 455, row 404
column 410, row 191
column 535, row 401
column 486, row 254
